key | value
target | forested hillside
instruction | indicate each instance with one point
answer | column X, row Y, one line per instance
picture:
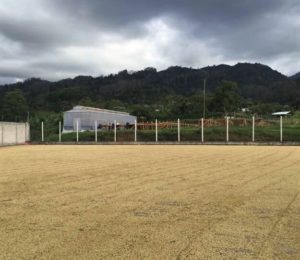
column 296, row 76
column 176, row 91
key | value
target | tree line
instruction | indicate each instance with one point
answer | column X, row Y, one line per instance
column 148, row 94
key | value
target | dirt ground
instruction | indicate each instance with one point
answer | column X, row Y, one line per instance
column 149, row 202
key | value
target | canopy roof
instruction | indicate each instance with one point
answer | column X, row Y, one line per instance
column 94, row 109
column 281, row 113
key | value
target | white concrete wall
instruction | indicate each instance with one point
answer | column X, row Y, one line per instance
column 14, row 133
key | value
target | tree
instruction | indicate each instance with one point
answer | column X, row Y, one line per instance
column 14, row 106
column 226, row 98
column 142, row 112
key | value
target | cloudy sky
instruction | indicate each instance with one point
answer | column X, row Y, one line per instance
column 55, row 39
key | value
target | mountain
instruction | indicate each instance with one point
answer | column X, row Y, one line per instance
column 296, row 76
column 149, row 87
column 241, row 73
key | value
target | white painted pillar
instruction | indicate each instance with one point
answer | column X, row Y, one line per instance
column 202, row 130
column 156, row 133
column 253, row 129
column 42, row 131
column 178, row 132
column 115, row 131
column 96, row 131
column 2, row 134
column 77, row 131
column 227, row 129
column 135, row 131
column 281, row 138
column 59, row 132
column 27, row 131
column 16, row 133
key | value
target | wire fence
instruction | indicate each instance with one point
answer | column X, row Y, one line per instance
column 227, row 129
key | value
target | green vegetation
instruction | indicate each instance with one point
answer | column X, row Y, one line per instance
column 226, row 98
column 14, row 106
column 148, row 94
column 164, row 95
column 212, row 134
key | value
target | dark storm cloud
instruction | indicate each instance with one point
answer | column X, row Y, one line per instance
column 120, row 12
column 55, row 39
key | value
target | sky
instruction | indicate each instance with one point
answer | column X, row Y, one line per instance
column 56, row 39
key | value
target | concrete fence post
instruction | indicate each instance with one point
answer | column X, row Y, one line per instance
column 96, row 131
column 42, row 131
column 115, row 131
column 178, row 132
column 77, row 131
column 135, row 131
column 59, row 132
column 253, row 129
column 281, row 134
column 156, row 133
column 202, row 130
column 27, row 132
column 16, row 133
column 227, row 129
column 2, row 134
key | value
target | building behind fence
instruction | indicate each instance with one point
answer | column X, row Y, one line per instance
column 14, row 133
column 84, row 118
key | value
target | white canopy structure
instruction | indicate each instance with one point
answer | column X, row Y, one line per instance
column 87, row 116
column 281, row 113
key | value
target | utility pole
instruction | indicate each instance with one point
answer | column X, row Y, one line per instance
column 204, row 89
